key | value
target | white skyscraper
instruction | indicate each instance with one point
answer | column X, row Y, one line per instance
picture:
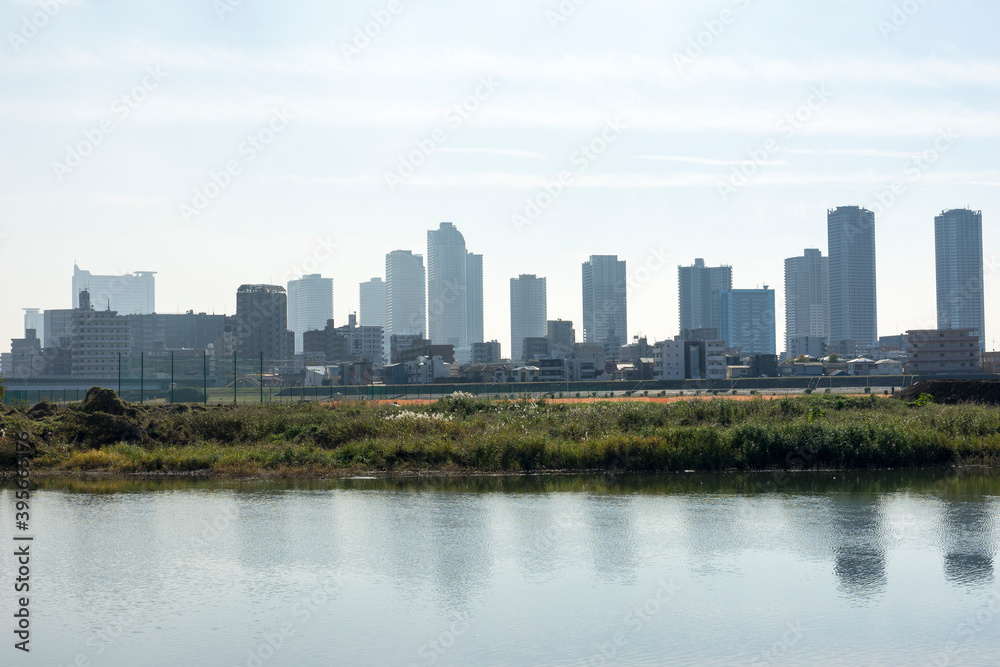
column 807, row 304
column 405, row 298
column 310, row 305
column 853, row 308
column 447, row 298
column 605, row 308
column 128, row 294
column 373, row 305
column 528, row 311
column 958, row 250
column 474, row 297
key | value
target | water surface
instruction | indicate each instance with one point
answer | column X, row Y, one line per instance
column 837, row 568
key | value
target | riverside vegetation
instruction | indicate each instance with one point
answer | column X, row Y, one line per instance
column 463, row 434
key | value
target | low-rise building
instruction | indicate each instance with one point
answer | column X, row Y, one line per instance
column 935, row 351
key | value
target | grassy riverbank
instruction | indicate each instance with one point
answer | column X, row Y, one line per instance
column 467, row 435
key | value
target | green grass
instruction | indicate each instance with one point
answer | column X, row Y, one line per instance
column 466, row 434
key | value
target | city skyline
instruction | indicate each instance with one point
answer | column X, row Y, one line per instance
column 902, row 121
column 415, row 281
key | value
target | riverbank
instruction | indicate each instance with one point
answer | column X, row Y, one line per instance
column 461, row 435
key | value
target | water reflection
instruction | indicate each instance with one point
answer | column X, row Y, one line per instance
column 859, row 552
column 968, row 542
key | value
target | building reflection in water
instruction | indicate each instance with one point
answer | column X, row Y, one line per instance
column 968, row 543
column 859, row 549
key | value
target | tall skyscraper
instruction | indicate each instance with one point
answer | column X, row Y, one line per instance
column 310, row 305
column 853, row 308
column 698, row 287
column 528, row 311
column 807, row 304
column 747, row 320
column 262, row 323
column 371, row 296
column 447, row 298
column 474, row 296
column 605, row 308
column 128, row 294
column 405, row 298
column 958, row 250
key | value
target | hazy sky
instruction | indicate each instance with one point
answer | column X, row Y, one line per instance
column 836, row 101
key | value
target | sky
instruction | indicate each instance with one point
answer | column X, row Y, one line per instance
column 223, row 142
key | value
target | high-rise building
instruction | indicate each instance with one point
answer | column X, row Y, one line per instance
column 474, row 297
column 605, row 308
column 747, row 320
column 561, row 338
column 126, row 294
column 807, row 303
column 853, row 308
column 405, row 298
column 447, row 298
column 528, row 311
column 958, row 250
column 262, row 323
column 310, row 305
column 698, row 287
column 34, row 319
column 371, row 297
column 102, row 342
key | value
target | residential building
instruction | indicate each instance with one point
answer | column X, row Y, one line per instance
column 474, row 297
column 605, row 307
column 35, row 319
column 942, row 351
column 373, row 310
column 26, row 357
column 310, row 305
column 58, row 328
column 447, row 297
column 807, row 304
column 853, row 293
column 528, row 311
column 127, row 294
column 101, row 342
column 698, row 287
column 958, row 250
column 486, row 353
column 405, row 294
column 747, row 320
column 262, row 323
column 561, row 338
column 350, row 342
column 536, row 347
column 189, row 330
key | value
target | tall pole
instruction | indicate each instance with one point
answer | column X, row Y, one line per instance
column 142, row 376
column 171, row 376
column 204, row 376
column 119, row 373
column 261, row 376
column 234, row 377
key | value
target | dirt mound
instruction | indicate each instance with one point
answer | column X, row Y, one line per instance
column 100, row 399
column 955, row 391
column 42, row 409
